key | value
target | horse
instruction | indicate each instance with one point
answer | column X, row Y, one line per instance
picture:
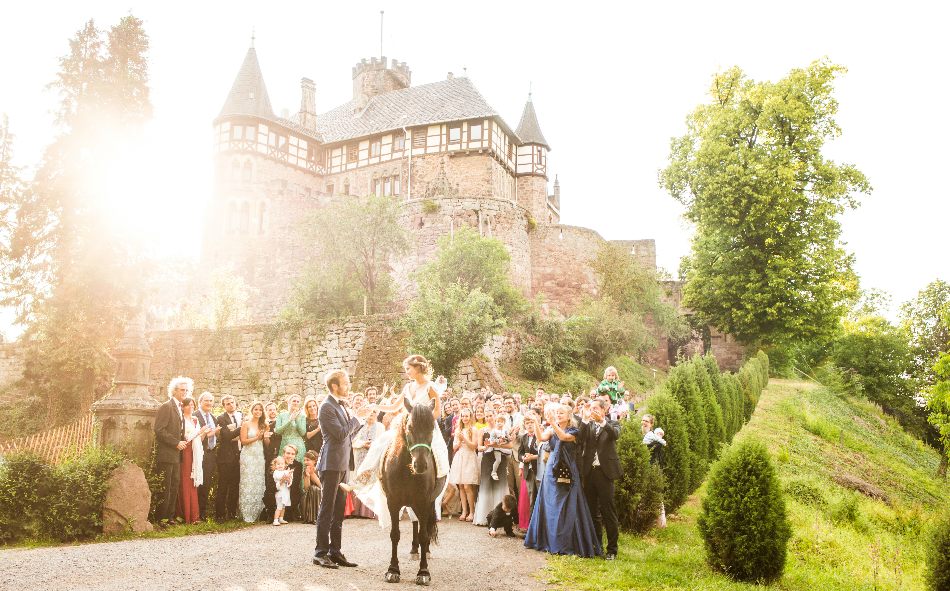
column 409, row 480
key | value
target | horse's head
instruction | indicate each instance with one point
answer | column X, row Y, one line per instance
column 418, row 432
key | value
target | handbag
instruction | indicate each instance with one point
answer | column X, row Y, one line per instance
column 562, row 471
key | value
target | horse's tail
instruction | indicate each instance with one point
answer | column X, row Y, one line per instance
column 434, row 530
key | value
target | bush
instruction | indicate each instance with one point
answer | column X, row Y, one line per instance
column 73, row 511
column 714, row 423
column 536, row 362
column 938, row 557
column 676, row 461
column 639, row 491
column 743, row 522
column 25, row 480
column 682, row 387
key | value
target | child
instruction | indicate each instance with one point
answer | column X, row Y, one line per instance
column 283, row 477
column 503, row 516
column 497, row 436
column 655, row 443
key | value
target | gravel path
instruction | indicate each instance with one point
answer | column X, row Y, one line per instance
column 266, row 558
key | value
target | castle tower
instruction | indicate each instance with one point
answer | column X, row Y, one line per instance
column 374, row 77
column 532, row 168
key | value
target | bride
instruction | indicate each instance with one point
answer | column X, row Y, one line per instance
column 419, row 390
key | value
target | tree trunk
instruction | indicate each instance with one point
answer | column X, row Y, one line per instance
column 942, row 468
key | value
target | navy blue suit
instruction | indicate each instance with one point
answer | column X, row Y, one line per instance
column 336, row 460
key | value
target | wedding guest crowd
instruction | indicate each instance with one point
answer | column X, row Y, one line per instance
column 544, row 465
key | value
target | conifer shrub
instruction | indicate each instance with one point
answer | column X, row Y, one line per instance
column 720, row 389
column 715, row 426
column 743, row 523
column 938, row 557
column 734, row 406
column 682, row 387
column 638, row 495
column 676, row 457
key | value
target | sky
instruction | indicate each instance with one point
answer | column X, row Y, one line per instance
column 611, row 82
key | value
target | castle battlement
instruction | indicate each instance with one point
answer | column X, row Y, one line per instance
column 375, row 64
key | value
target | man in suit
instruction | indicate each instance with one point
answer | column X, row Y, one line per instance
column 272, row 449
column 209, row 464
column 333, row 467
column 291, row 453
column 528, row 456
column 600, row 466
column 229, row 461
column 170, row 441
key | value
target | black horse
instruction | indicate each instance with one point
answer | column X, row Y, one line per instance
column 409, row 480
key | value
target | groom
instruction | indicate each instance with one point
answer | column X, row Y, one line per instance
column 336, row 460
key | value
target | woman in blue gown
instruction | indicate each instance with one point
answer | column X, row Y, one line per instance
column 561, row 521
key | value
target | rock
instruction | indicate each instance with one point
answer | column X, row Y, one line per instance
column 127, row 501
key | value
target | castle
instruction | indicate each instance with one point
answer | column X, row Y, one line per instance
column 439, row 148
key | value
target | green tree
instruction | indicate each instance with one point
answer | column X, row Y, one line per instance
column 924, row 317
column 715, row 425
column 603, row 329
column 450, row 323
column 671, row 418
column 476, row 262
column 743, row 522
column 767, row 264
column 357, row 238
column 639, row 491
column 681, row 385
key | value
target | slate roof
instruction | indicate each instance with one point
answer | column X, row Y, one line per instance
column 248, row 95
column 528, row 129
column 428, row 104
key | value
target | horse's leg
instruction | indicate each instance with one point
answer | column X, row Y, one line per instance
column 414, row 551
column 392, row 575
column 426, row 520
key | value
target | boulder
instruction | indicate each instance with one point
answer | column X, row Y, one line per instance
column 127, row 501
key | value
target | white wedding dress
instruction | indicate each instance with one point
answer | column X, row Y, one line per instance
column 371, row 492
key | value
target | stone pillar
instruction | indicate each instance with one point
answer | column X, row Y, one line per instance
column 126, row 414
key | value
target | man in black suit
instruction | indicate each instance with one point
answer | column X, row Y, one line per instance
column 169, row 442
column 209, row 464
column 292, row 513
column 272, row 449
column 229, row 461
column 600, row 466
column 335, row 463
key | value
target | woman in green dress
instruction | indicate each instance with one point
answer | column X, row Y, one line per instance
column 292, row 425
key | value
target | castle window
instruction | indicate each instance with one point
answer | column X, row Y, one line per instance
column 396, row 186
column 388, row 186
column 399, row 141
column 419, row 138
column 374, row 148
column 245, row 217
column 352, row 152
column 239, row 132
column 375, row 185
column 248, row 171
column 455, row 134
column 475, row 132
column 346, row 187
column 261, row 210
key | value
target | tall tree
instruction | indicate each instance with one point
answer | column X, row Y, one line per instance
column 72, row 277
column 767, row 264
column 924, row 318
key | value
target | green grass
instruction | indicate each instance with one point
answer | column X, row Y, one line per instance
column 841, row 539
column 177, row 531
column 638, row 378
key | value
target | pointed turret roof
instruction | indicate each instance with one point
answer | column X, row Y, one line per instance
column 248, row 95
column 528, row 129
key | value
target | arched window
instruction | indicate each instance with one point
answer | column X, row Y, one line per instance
column 232, row 217
column 246, row 177
column 346, row 187
column 261, row 212
column 245, row 217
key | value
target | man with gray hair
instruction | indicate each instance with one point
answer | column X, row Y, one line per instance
column 209, row 463
column 169, row 442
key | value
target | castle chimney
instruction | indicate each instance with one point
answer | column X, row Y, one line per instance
column 308, row 104
column 450, row 76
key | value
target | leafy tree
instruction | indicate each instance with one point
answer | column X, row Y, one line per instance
column 681, row 385
column 551, row 346
column 449, row 324
column 938, row 401
column 225, row 303
column 603, row 329
column 357, row 239
column 924, row 319
column 476, row 262
column 69, row 266
column 743, row 522
column 938, row 556
column 767, row 264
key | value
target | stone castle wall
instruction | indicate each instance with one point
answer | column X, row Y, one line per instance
column 560, row 265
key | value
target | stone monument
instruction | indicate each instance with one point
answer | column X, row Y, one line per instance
column 125, row 415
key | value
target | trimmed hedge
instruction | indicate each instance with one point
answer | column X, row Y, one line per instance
column 715, row 425
column 938, row 557
column 743, row 523
column 638, row 494
column 62, row 503
column 676, row 457
column 681, row 385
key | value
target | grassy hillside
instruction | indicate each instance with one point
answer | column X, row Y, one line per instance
column 824, row 447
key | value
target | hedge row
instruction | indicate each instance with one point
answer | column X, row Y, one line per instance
column 701, row 409
column 61, row 502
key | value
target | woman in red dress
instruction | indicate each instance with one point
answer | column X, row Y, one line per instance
column 191, row 469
